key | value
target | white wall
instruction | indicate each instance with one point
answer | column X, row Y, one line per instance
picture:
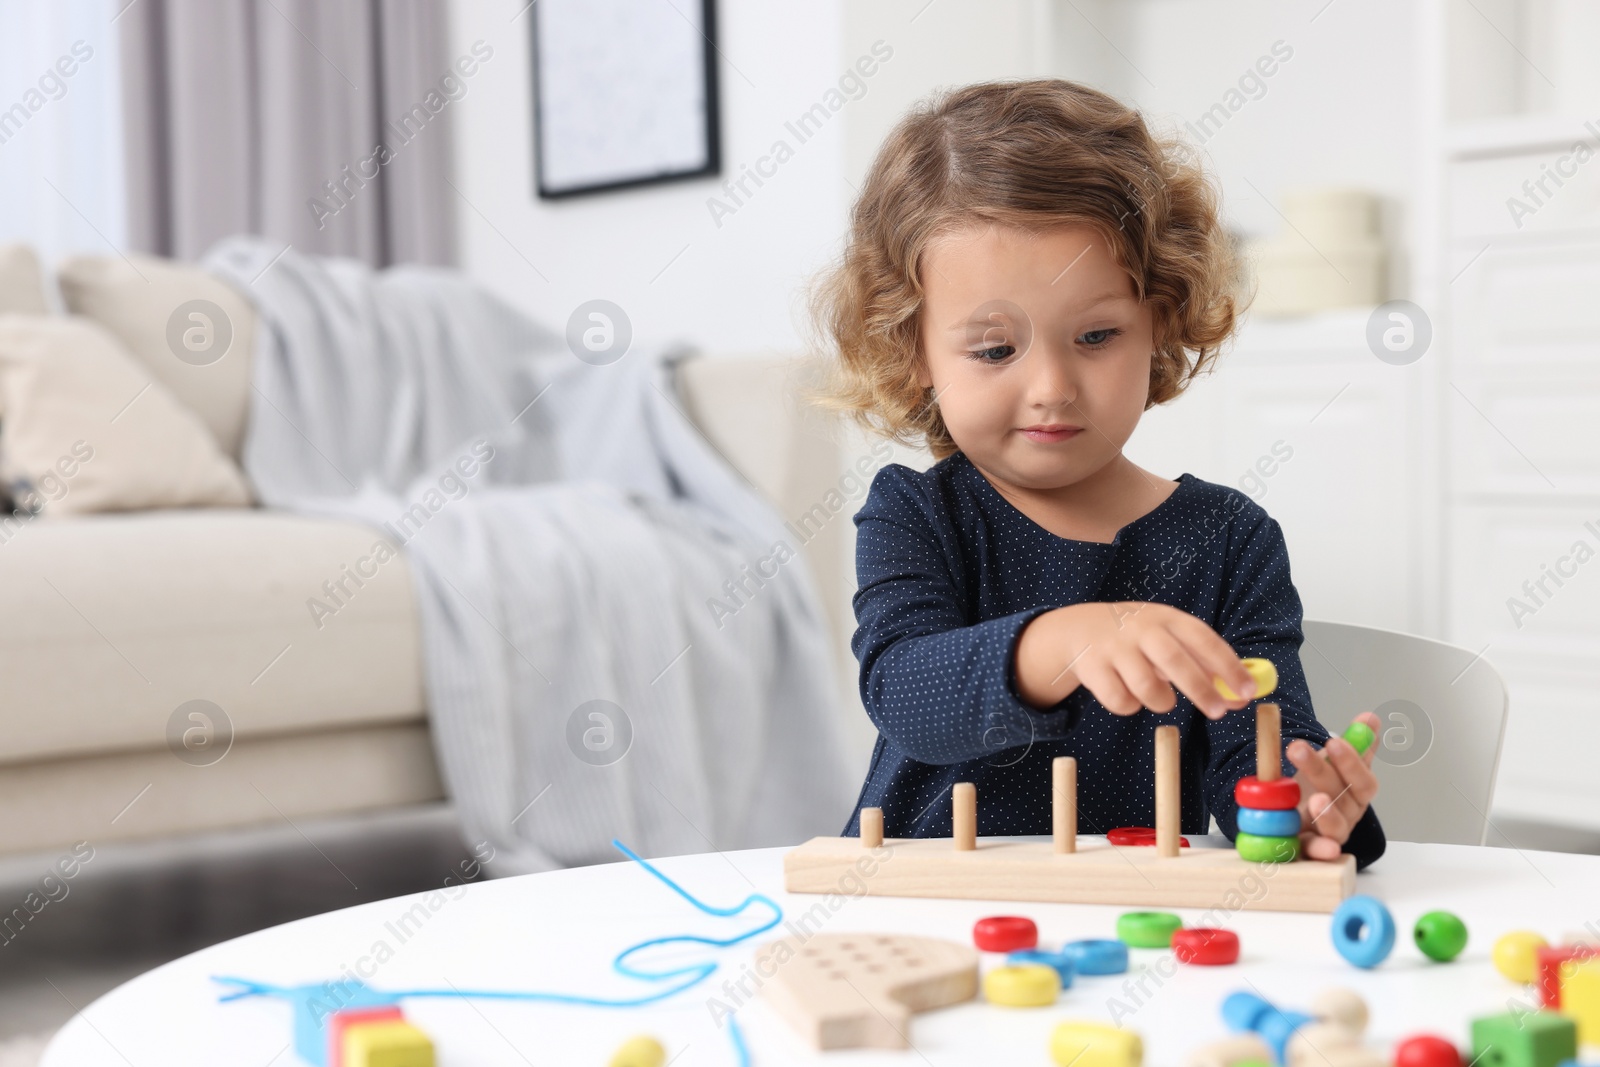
column 656, row 250
column 1342, row 110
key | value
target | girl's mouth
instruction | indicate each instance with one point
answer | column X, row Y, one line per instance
column 1054, row 432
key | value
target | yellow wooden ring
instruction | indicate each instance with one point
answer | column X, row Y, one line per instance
column 1022, row 985
column 1262, row 670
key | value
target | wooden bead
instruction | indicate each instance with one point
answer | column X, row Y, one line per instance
column 1516, row 955
column 1354, row 1056
column 1230, row 1052
column 1426, row 1050
column 1313, row 1040
column 1343, row 1006
column 1440, row 935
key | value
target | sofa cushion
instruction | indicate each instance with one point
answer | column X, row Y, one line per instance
column 87, row 428
column 21, row 282
column 108, row 623
column 193, row 331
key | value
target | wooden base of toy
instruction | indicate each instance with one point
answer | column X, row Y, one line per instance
column 1162, row 874
column 1130, row 875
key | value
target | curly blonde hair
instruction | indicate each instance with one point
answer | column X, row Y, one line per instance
column 1030, row 154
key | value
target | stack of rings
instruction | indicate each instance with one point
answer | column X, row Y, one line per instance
column 1269, row 820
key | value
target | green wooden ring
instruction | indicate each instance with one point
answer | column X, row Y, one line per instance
column 1147, row 929
column 1254, row 848
column 1360, row 736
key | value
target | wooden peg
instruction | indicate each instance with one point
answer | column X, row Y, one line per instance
column 964, row 816
column 1167, row 798
column 1269, row 743
column 871, row 827
column 1064, row 803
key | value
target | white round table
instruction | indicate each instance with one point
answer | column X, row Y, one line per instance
column 559, row 931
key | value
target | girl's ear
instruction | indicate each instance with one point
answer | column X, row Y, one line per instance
column 924, row 379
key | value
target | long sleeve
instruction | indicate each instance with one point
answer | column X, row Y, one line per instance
column 939, row 688
column 1261, row 615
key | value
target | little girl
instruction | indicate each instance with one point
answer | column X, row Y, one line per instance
column 1028, row 270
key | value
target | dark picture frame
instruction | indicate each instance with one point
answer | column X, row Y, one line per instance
column 573, row 153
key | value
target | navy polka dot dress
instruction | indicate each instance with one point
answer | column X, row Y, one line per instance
column 949, row 572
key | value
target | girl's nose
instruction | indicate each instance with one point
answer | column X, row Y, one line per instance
column 1051, row 382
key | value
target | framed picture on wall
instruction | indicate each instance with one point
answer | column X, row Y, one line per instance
column 624, row 94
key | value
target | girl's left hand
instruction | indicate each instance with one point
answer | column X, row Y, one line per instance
column 1336, row 785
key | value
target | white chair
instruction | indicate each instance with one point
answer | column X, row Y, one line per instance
column 1442, row 711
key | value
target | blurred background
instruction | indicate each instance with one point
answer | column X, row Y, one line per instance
column 1414, row 395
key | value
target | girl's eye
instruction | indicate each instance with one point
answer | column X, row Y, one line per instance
column 1105, row 337
column 992, row 354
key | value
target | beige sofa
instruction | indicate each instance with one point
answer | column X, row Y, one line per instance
column 110, row 622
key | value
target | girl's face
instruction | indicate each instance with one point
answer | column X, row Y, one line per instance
column 1037, row 351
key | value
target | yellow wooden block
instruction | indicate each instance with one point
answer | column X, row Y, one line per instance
column 387, row 1043
column 1580, row 997
column 1092, row 1044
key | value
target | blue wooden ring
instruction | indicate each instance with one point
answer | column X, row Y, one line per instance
column 1363, row 931
column 1059, row 960
column 1266, row 823
column 1097, row 956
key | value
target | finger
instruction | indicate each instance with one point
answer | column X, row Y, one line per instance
column 1355, row 768
column 1321, row 773
column 1326, row 818
column 1313, row 770
column 1216, row 657
column 1141, row 680
column 1318, row 847
column 1173, row 660
column 1105, row 683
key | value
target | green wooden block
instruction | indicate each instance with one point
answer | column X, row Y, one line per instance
column 1524, row 1039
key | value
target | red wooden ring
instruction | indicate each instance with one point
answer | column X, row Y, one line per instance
column 1205, row 945
column 1137, row 835
column 1280, row 794
column 1004, row 933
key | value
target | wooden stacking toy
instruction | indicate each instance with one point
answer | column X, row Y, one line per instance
column 1159, row 873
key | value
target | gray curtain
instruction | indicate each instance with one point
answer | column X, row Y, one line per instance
column 323, row 124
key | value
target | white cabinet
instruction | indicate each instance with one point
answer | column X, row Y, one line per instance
column 1522, row 424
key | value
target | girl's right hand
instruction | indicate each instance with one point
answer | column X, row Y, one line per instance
column 1129, row 654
